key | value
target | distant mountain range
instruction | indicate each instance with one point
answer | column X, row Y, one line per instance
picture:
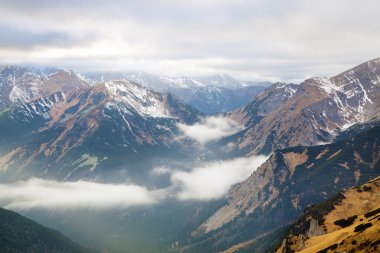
column 208, row 94
column 165, row 83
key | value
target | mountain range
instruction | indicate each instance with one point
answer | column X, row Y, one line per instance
column 321, row 137
column 108, row 122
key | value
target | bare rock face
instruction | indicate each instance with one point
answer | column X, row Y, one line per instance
column 315, row 229
column 315, row 111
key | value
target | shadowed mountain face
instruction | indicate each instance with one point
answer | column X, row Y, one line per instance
column 20, row 234
column 285, row 185
column 315, row 111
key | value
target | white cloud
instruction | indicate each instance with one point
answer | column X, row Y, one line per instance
column 210, row 180
column 52, row 194
column 254, row 39
column 211, row 129
column 213, row 179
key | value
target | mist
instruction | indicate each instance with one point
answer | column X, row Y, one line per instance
column 206, row 181
column 211, row 180
column 42, row 193
column 210, row 129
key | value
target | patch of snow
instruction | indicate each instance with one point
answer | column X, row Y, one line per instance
column 326, row 84
column 182, row 82
column 18, row 94
column 133, row 97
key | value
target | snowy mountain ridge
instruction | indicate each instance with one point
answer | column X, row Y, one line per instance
column 137, row 98
column 166, row 83
column 23, row 85
column 210, row 95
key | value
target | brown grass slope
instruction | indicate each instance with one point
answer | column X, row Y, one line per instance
column 348, row 223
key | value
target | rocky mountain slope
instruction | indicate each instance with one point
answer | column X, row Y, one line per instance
column 80, row 130
column 315, row 111
column 279, row 190
column 348, row 222
column 20, row 234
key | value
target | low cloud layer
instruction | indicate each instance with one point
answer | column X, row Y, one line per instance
column 211, row 129
column 212, row 180
column 52, row 194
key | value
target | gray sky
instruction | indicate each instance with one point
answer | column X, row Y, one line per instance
column 251, row 40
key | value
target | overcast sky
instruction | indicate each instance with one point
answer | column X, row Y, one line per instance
column 251, row 40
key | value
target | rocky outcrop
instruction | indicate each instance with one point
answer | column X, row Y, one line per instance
column 315, row 229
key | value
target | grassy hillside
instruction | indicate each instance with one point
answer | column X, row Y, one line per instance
column 348, row 222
